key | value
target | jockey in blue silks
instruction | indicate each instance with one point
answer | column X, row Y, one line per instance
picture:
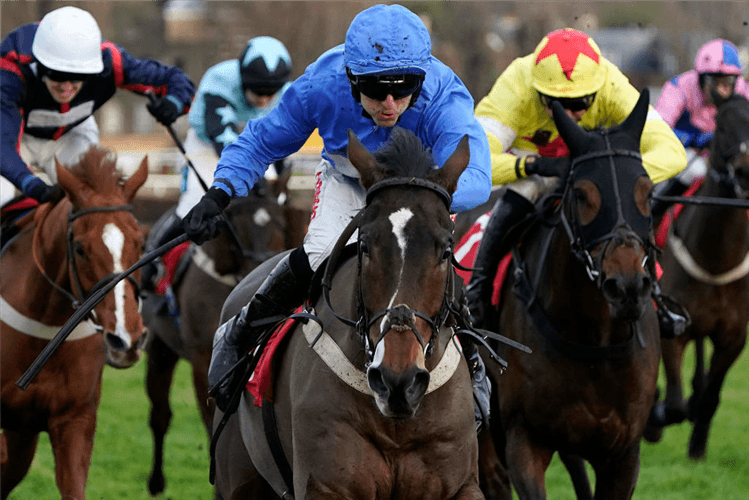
column 383, row 75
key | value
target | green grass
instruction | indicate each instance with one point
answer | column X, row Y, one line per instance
column 121, row 461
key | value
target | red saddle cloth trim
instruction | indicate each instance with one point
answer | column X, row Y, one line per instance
column 468, row 248
column 673, row 213
column 259, row 384
column 21, row 205
column 170, row 260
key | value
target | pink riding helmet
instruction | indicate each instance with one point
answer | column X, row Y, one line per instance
column 718, row 56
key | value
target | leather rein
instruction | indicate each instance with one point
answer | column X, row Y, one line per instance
column 402, row 317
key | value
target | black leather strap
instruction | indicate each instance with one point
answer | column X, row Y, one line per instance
column 274, row 443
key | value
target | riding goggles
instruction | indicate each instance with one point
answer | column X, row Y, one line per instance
column 573, row 104
column 60, row 76
column 379, row 87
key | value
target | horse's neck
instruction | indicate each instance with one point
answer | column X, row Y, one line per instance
column 717, row 236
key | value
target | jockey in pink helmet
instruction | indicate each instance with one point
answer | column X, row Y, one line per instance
column 688, row 104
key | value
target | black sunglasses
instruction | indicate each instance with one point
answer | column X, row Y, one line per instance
column 60, row 76
column 570, row 103
column 379, row 87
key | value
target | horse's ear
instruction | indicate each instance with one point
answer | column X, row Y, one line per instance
column 572, row 134
column 136, row 180
column 66, row 179
column 363, row 161
column 448, row 175
column 635, row 122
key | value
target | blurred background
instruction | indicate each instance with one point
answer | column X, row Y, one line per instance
column 650, row 41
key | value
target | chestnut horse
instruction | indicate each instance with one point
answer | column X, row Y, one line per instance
column 580, row 297
column 371, row 396
column 60, row 256
column 264, row 226
column 706, row 268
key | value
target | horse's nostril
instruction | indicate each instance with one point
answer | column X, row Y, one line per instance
column 611, row 289
column 376, row 383
column 647, row 284
column 115, row 342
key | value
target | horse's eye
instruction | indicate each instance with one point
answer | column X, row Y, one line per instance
column 78, row 249
column 363, row 247
column 447, row 252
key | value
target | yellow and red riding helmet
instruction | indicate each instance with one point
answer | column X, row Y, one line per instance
column 567, row 63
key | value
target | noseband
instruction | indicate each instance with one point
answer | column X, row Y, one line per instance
column 400, row 317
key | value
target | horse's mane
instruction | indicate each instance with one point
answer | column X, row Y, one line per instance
column 405, row 156
column 97, row 169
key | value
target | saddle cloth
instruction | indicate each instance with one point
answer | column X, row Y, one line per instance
column 259, row 384
column 465, row 254
column 171, row 261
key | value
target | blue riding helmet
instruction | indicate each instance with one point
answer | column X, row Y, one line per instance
column 387, row 40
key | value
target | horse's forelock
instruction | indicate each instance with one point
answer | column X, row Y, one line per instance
column 97, row 168
column 405, row 156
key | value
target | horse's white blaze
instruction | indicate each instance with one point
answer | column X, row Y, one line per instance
column 399, row 220
column 114, row 240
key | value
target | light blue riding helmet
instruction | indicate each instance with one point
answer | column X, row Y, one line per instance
column 387, row 40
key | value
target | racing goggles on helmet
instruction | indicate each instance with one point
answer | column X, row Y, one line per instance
column 379, row 87
column 61, row 76
column 573, row 104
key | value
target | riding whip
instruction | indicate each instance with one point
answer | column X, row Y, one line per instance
column 181, row 147
column 85, row 308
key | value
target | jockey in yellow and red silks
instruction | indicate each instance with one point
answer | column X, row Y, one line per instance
column 527, row 152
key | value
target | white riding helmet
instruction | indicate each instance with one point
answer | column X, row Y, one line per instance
column 68, row 40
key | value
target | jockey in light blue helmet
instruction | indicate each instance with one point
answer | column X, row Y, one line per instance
column 264, row 66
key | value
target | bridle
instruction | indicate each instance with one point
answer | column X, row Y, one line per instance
column 78, row 296
column 582, row 243
column 400, row 317
column 726, row 175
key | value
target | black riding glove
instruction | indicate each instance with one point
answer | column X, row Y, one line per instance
column 205, row 220
column 545, row 166
column 43, row 192
column 164, row 110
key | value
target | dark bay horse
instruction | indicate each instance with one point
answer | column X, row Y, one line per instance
column 706, row 268
column 374, row 401
column 59, row 256
column 579, row 295
column 264, row 226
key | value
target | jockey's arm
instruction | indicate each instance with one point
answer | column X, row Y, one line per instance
column 663, row 155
